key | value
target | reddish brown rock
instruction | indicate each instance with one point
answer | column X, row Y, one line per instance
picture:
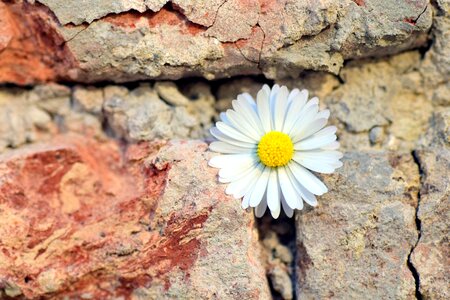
column 158, row 39
column 81, row 219
column 31, row 49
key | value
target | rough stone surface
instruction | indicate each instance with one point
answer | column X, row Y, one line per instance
column 27, row 116
column 155, row 39
column 105, row 224
column 169, row 92
column 138, row 114
column 141, row 115
column 431, row 256
column 380, row 103
column 356, row 243
column 373, row 236
column 88, row 99
column 31, row 49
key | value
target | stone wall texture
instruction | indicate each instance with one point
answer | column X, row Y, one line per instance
column 116, row 223
column 105, row 192
column 91, row 41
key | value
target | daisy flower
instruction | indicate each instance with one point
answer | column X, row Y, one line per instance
column 269, row 148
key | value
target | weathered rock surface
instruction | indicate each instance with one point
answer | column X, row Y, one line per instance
column 31, row 49
column 141, row 115
column 279, row 257
column 26, row 116
column 381, row 103
column 355, row 244
column 138, row 114
column 89, row 218
column 431, row 256
column 82, row 219
column 149, row 39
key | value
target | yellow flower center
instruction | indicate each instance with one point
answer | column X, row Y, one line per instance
column 275, row 149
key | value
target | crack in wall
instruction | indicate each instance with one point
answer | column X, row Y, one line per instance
column 276, row 234
column 243, row 55
column 217, row 13
column 423, row 11
column 262, row 46
column 410, row 264
column 75, row 35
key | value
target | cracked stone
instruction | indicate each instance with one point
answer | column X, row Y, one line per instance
column 139, row 229
column 134, row 40
column 78, row 12
column 430, row 256
column 356, row 243
column 240, row 15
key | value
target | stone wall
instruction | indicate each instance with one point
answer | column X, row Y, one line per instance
column 104, row 188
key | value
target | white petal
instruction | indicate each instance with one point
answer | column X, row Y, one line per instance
column 307, row 179
column 234, row 133
column 272, row 101
column 273, row 196
column 293, row 94
column 315, row 141
column 249, row 99
column 245, row 201
column 233, row 173
column 287, row 209
column 313, row 127
column 281, row 103
column 320, row 155
column 223, row 147
column 296, row 187
column 242, row 106
column 245, row 184
column 247, row 190
column 308, row 196
column 313, row 101
column 264, row 109
column 289, row 193
column 304, row 193
column 223, row 180
column 225, row 138
column 260, row 188
column 294, row 109
column 305, row 94
column 324, row 114
column 261, row 208
column 223, row 117
column 327, row 130
column 315, row 165
column 306, row 116
column 226, row 160
column 239, row 122
column 332, row 146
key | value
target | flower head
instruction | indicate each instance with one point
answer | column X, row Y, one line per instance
column 269, row 148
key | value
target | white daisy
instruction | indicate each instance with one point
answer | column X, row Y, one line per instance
column 270, row 148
